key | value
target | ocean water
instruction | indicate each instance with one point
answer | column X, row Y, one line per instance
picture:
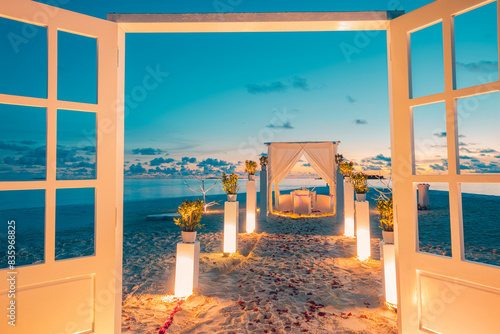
column 143, row 189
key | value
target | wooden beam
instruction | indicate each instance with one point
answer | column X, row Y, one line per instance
column 254, row 22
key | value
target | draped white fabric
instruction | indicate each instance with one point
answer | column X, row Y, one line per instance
column 284, row 156
column 322, row 160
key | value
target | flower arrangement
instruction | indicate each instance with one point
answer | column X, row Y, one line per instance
column 264, row 160
column 230, row 183
column 191, row 212
column 360, row 182
column 250, row 167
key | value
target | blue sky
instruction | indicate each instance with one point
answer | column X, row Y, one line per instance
column 219, row 97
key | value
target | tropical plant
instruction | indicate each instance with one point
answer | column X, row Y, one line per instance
column 250, row 167
column 191, row 212
column 339, row 158
column 385, row 208
column 346, row 167
column 230, row 183
column 264, row 160
column 360, row 182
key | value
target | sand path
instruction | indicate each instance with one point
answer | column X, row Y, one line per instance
column 292, row 277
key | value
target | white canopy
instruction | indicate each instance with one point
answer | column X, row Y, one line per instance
column 283, row 156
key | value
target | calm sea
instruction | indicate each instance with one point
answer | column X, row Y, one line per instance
column 144, row 189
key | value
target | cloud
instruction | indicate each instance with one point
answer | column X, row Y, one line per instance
column 136, row 169
column 443, row 135
column 295, row 82
column 481, row 66
column 186, row 160
column 159, row 161
column 440, row 134
column 360, row 121
column 147, row 151
column 274, row 87
column 13, row 147
column 28, row 142
column 351, row 99
column 481, row 167
column 213, row 163
column 300, row 83
column 381, row 157
column 286, row 125
column 437, row 167
column 306, row 165
column 488, row 151
column 165, row 171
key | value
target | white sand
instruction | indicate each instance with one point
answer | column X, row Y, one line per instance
column 292, row 277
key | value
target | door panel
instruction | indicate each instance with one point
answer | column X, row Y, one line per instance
column 79, row 291
column 437, row 293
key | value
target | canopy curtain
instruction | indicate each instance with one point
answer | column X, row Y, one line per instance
column 281, row 162
column 284, row 156
column 322, row 160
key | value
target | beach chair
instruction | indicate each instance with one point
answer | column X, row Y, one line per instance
column 324, row 204
column 285, row 203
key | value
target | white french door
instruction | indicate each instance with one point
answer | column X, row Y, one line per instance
column 70, row 292
column 438, row 293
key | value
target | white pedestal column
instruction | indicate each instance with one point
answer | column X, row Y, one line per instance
column 340, row 197
column 263, row 194
column 231, row 218
column 251, row 206
column 187, row 263
column 363, row 230
column 388, row 259
column 423, row 196
column 349, row 209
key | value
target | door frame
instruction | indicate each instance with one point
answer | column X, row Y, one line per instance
column 421, row 276
column 92, row 284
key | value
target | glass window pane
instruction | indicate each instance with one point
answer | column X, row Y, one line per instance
column 434, row 231
column 76, row 145
column 478, row 120
column 76, row 68
column 23, row 59
column 75, row 222
column 22, row 216
column 481, row 222
column 427, row 67
column 429, row 139
column 23, row 143
column 476, row 46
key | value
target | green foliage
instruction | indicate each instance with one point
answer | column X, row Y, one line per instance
column 264, row 160
column 251, row 167
column 339, row 158
column 346, row 167
column 230, row 183
column 385, row 208
column 360, row 182
column 191, row 212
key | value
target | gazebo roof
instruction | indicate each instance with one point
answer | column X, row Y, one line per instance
column 303, row 142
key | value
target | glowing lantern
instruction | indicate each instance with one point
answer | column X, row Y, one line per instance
column 363, row 230
column 251, row 205
column 231, row 218
column 389, row 265
column 187, row 268
column 348, row 209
